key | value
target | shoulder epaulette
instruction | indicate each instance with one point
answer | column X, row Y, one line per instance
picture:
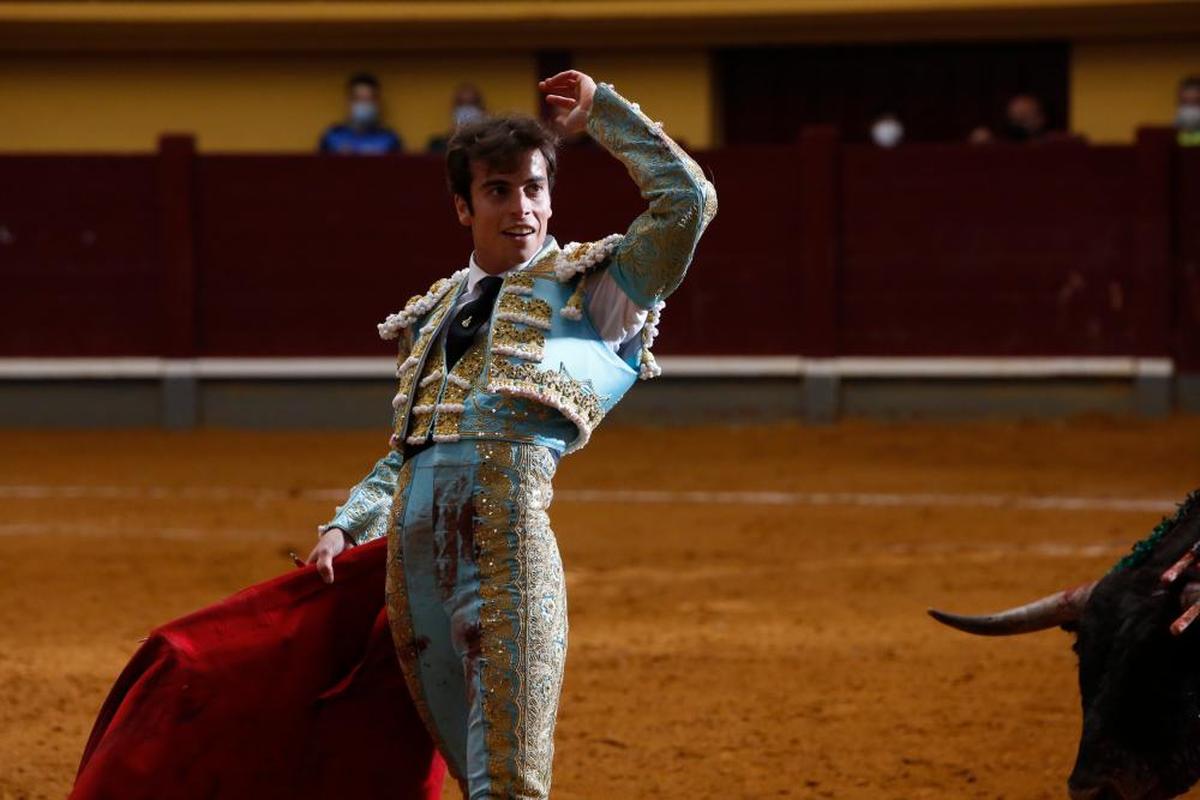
column 418, row 306
column 581, row 257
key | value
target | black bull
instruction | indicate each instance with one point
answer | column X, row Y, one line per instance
column 1139, row 664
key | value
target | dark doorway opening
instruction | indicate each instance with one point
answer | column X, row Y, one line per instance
column 940, row 91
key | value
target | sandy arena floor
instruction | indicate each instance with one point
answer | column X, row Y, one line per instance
column 747, row 605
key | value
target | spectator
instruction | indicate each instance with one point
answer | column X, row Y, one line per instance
column 887, row 131
column 466, row 106
column 362, row 133
column 1024, row 121
column 1187, row 117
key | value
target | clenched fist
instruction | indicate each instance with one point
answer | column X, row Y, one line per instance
column 571, row 94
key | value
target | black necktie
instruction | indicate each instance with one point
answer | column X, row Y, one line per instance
column 469, row 319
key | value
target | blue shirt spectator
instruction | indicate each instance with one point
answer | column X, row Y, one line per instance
column 345, row 139
column 362, row 133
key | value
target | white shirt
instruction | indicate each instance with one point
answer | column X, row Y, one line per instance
column 618, row 319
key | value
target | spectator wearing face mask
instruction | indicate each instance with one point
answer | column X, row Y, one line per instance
column 1024, row 121
column 466, row 106
column 361, row 133
column 1187, row 115
column 887, row 131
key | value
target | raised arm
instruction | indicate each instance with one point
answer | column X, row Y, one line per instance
column 651, row 260
column 654, row 255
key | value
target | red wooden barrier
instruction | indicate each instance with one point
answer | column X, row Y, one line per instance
column 744, row 292
column 1152, row 282
column 819, row 249
column 176, row 205
column 999, row 251
column 820, row 224
column 79, row 264
column 303, row 255
column 1187, row 262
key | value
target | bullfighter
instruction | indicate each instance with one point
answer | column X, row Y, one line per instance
column 505, row 366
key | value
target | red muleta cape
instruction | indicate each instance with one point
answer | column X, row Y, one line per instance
column 289, row 688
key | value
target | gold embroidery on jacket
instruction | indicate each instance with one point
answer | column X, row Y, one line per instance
column 455, row 388
column 423, row 362
column 528, row 310
column 521, row 341
column 573, row 398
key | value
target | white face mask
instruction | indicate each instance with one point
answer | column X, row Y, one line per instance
column 467, row 113
column 887, row 133
column 364, row 113
column 1188, row 118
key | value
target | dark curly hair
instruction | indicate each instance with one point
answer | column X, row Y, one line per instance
column 362, row 79
column 498, row 142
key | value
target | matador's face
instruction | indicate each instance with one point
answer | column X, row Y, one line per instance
column 509, row 213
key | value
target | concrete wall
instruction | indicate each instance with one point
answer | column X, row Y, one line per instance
column 268, row 76
column 673, row 86
column 268, row 103
column 267, row 404
column 282, row 102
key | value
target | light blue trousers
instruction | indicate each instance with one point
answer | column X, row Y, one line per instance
column 478, row 609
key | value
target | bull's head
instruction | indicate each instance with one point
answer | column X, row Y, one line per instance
column 1139, row 664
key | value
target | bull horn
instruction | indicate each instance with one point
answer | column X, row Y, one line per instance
column 1049, row 612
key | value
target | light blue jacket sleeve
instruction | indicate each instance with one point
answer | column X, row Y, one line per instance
column 654, row 255
column 364, row 515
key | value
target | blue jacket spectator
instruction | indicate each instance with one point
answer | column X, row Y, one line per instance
column 362, row 133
